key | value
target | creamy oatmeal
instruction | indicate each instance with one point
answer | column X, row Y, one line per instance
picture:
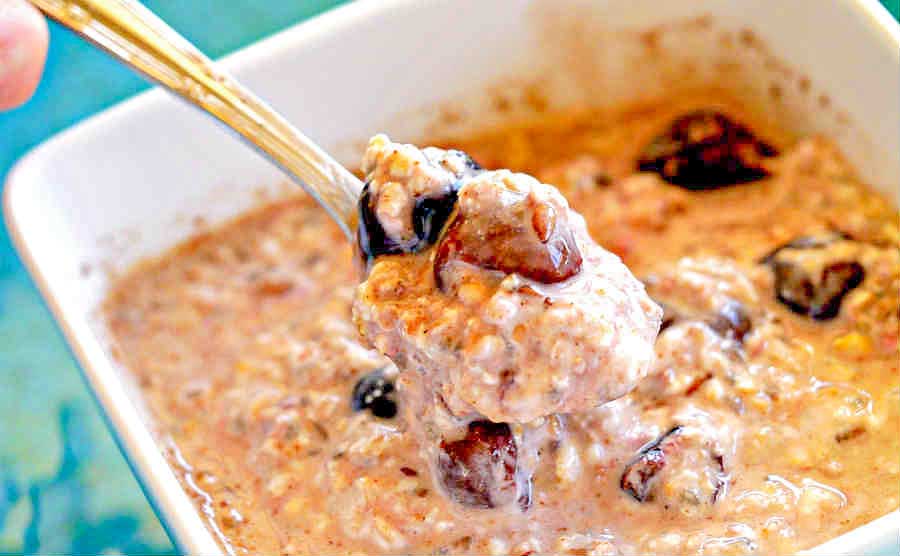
column 767, row 421
column 511, row 315
column 486, row 289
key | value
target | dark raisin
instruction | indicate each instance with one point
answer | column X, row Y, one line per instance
column 651, row 459
column 429, row 216
column 706, row 150
column 816, row 295
column 479, row 470
column 527, row 238
column 793, row 287
column 375, row 393
column 370, row 235
column 837, row 280
column 731, row 321
column 676, row 449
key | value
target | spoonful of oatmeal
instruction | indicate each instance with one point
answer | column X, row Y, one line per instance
column 488, row 285
column 498, row 308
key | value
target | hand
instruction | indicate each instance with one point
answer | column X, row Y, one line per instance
column 23, row 48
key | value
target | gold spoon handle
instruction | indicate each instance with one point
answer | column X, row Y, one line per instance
column 135, row 36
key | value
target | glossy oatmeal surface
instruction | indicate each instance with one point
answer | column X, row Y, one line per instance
column 768, row 422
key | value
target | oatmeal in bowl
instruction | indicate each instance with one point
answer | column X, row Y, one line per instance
column 764, row 420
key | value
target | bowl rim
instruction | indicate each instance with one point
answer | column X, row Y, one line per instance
column 182, row 522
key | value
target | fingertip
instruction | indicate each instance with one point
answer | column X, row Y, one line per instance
column 24, row 38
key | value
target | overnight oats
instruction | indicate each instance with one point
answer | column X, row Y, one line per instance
column 486, row 289
column 534, row 409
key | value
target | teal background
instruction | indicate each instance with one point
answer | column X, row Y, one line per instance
column 64, row 486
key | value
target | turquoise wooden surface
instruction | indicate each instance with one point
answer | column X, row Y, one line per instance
column 64, row 486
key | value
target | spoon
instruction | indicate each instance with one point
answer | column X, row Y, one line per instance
column 136, row 37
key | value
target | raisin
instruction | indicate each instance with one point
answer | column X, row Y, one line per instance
column 837, row 280
column 706, row 150
column 370, row 235
column 375, row 393
column 527, row 238
column 639, row 472
column 816, row 295
column 731, row 321
column 430, row 214
column 429, row 217
column 683, row 451
column 479, row 470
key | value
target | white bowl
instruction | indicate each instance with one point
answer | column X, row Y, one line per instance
column 126, row 184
